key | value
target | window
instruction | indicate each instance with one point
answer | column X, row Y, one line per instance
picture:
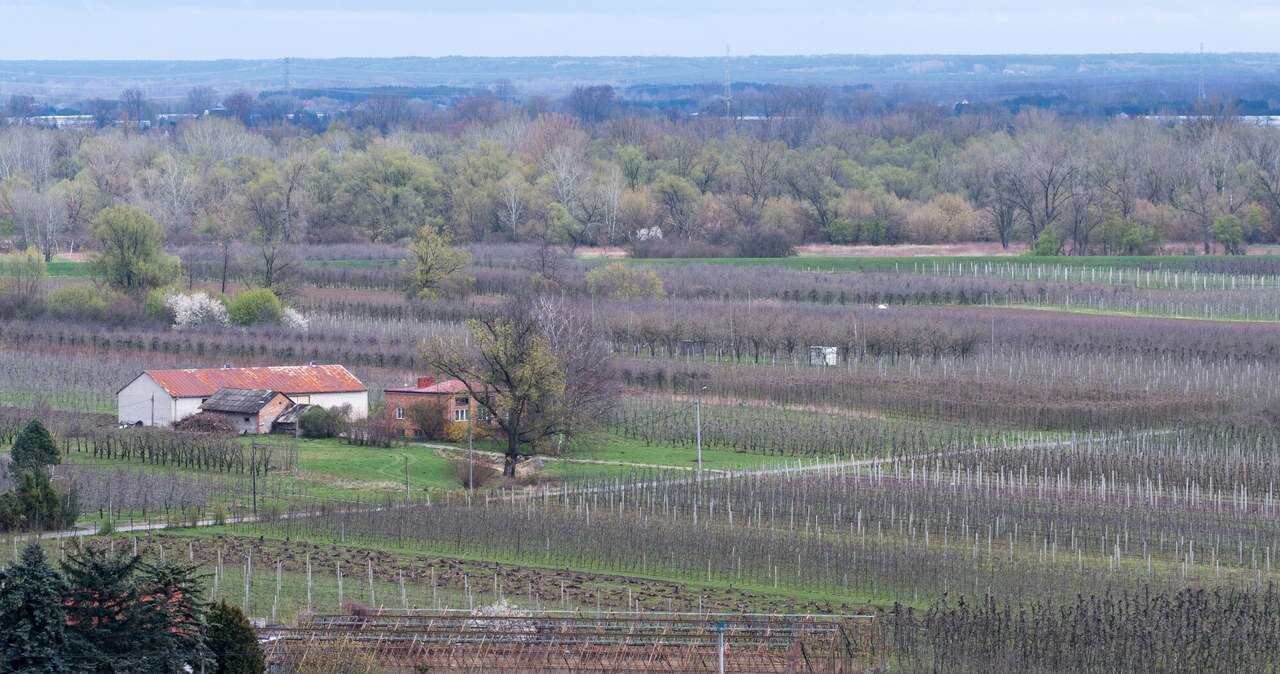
column 461, row 414
column 400, row 413
column 462, row 402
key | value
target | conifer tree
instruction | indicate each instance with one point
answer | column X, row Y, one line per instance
column 34, row 448
column 33, row 634
column 232, row 642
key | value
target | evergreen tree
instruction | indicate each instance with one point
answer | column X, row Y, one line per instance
column 232, row 642
column 32, row 620
column 173, row 615
column 105, row 621
column 34, row 448
column 125, row 615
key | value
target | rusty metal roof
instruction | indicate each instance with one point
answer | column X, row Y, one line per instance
column 449, row 386
column 287, row 379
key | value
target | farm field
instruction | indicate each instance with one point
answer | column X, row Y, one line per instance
column 879, row 437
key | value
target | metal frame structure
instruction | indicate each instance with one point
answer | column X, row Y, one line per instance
column 561, row 642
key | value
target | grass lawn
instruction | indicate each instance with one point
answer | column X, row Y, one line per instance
column 621, row 455
column 335, row 464
column 68, row 268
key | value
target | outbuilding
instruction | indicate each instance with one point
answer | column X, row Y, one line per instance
column 248, row 411
column 162, row 397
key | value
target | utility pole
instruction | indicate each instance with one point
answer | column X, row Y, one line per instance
column 406, row 479
column 697, row 420
column 153, row 409
column 720, row 633
column 471, row 460
column 253, row 471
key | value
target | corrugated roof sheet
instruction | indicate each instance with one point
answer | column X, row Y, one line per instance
column 287, row 379
column 447, row 386
column 239, row 400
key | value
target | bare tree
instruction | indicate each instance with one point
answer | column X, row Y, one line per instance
column 200, row 99
column 536, row 368
column 134, row 107
column 592, row 103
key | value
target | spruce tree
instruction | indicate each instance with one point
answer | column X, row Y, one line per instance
column 34, row 448
column 33, row 634
column 106, row 625
column 173, row 617
column 232, row 642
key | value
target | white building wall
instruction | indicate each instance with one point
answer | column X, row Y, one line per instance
column 359, row 402
column 144, row 400
column 185, row 407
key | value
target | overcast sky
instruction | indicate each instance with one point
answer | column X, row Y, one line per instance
column 195, row 29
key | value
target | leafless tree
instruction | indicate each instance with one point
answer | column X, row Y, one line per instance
column 592, row 103
column 537, row 368
column 200, row 99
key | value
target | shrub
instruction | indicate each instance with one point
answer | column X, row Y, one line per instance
column 669, row 248
column 195, row 310
column 204, row 422
column 456, row 431
column 316, row 422
column 78, row 303
column 473, row 474
column 253, row 306
column 1047, row 243
column 621, row 281
column 293, row 319
column 766, row 243
column 428, row 417
column 34, row 505
column 232, row 641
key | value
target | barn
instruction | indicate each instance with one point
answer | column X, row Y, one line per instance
column 161, row 397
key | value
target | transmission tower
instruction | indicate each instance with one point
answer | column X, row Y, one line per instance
column 728, row 87
column 1201, row 67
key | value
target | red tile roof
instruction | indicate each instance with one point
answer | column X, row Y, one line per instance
column 287, row 379
column 448, row 386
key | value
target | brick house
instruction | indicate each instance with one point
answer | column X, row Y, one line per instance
column 451, row 396
column 248, row 411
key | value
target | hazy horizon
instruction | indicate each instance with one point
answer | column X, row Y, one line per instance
column 223, row 29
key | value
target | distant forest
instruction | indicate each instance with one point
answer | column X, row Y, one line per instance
column 1101, row 84
column 814, row 165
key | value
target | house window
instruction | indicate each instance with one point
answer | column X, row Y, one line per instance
column 400, row 413
column 462, row 402
column 461, row 414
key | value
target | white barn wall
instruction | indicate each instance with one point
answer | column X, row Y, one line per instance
column 134, row 403
column 359, row 401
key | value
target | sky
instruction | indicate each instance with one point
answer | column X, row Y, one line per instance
column 212, row 29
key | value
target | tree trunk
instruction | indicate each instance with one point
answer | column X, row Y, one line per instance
column 513, row 453
column 226, row 262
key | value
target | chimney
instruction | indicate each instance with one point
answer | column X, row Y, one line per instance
column 424, row 382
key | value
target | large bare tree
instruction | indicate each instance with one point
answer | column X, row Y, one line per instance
column 538, row 369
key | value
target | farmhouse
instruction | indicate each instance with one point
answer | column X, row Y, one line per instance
column 161, row 397
column 247, row 411
column 450, row 397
